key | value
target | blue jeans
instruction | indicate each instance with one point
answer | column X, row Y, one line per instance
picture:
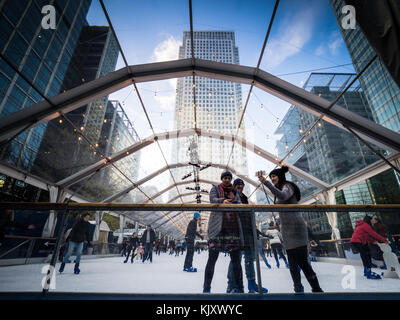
column 261, row 252
column 148, row 252
column 249, row 268
column 71, row 246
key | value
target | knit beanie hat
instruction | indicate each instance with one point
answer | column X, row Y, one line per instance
column 237, row 181
column 226, row 174
column 196, row 215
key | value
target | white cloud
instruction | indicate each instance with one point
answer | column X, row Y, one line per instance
column 320, row 51
column 295, row 32
column 166, row 50
column 336, row 42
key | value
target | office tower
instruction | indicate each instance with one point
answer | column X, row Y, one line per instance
column 63, row 151
column 329, row 153
column 383, row 96
column 96, row 55
column 381, row 91
column 117, row 133
column 42, row 55
column 218, row 106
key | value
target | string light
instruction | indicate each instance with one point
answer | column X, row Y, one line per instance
column 60, row 121
column 301, row 130
column 319, row 124
column 262, row 107
column 105, row 120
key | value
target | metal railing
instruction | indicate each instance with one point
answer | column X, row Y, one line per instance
column 64, row 208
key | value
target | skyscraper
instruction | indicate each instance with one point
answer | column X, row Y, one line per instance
column 42, row 55
column 328, row 152
column 218, row 105
column 383, row 95
column 62, row 151
column 381, row 91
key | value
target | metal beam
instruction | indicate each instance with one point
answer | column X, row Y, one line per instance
column 186, row 133
column 178, row 184
column 76, row 97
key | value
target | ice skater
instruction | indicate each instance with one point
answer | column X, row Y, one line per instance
column 224, row 233
column 133, row 243
column 248, row 251
column 363, row 233
column 149, row 240
column 78, row 235
column 293, row 228
column 191, row 233
column 276, row 243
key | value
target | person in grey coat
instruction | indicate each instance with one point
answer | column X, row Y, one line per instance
column 293, row 228
column 224, row 233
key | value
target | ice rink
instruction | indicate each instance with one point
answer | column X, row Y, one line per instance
column 165, row 275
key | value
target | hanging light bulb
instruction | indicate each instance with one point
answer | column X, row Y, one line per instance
column 286, row 147
column 105, row 120
column 262, row 106
column 82, row 128
column 60, row 121
column 304, row 140
column 319, row 124
column 301, row 130
column 277, row 120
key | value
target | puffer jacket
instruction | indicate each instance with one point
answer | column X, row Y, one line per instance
column 274, row 235
column 364, row 233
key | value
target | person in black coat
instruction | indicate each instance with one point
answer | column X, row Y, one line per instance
column 148, row 239
column 133, row 243
column 191, row 233
column 248, row 251
column 78, row 235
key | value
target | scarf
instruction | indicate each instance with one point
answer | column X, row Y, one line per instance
column 226, row 192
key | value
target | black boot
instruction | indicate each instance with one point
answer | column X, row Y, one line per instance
column 62, row 267
column 76, row 269
column 313, row 281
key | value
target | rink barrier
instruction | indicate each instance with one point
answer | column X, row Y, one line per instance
column 99, row 249
column 64, row 208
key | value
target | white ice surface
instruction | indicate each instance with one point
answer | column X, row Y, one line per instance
column 165, row 275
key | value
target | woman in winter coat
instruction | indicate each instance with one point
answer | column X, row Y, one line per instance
column 362, row 235
column 276, row 245
column 293, row 228
column 224, row 233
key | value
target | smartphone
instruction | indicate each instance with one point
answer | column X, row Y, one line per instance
column 260, row 173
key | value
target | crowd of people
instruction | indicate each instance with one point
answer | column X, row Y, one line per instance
column 232, row 233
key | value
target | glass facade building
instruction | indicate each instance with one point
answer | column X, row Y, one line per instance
column 42, row 55
column 218, row 104
column 383, row 95
column 328, row 152
column 95, row 55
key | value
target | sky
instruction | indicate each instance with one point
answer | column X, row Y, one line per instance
column 305, row 36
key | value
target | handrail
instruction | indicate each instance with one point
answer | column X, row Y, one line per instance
column 197, row 207
column 27, row 237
